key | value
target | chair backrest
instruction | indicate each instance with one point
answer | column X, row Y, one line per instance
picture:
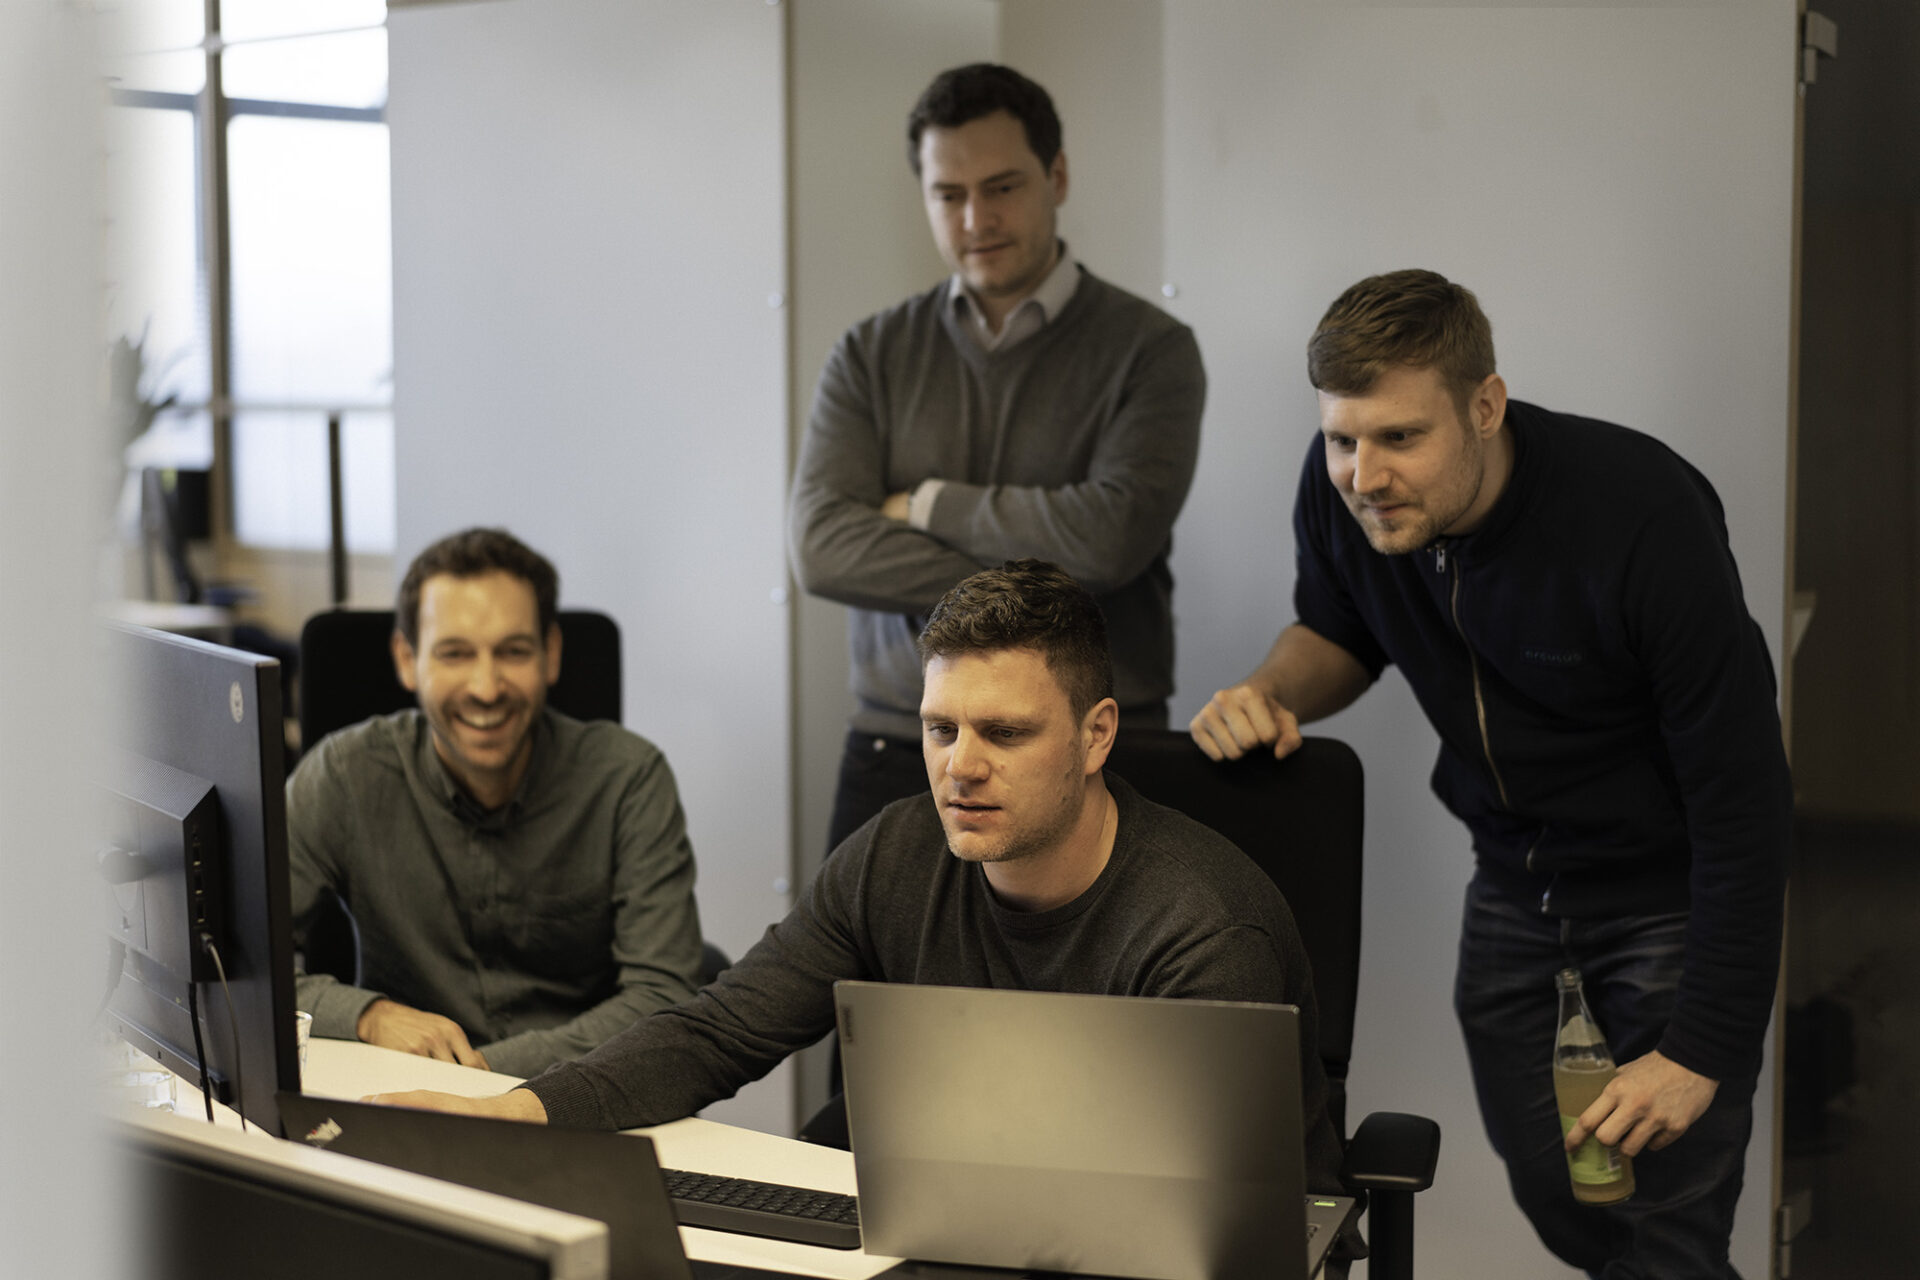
column 346, row 669
column 1300, row 819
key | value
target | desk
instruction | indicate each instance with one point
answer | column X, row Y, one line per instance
column 206, row 621
column 349, row 1069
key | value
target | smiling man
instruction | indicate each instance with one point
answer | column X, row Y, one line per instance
column 1560, row 595
column 1021, row 864
column 1022, row 407
column 521, row 881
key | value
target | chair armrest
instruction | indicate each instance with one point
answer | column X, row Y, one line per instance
column 1391, row 1151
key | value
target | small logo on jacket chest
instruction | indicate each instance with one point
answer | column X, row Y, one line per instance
column 1541, row 656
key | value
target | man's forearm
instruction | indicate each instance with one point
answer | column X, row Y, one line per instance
column 1309, row 675
column 529, row 1053
column 1106, row 525
column 335, row 1006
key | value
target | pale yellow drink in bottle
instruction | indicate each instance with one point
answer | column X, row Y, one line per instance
column 1582, row 1066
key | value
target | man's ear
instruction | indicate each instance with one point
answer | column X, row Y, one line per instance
column 1057, row 178
column 553, row 652
column 403, row 662
column 1098, row 731
column 1489, row 406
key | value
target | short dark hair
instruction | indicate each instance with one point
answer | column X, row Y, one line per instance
column 468, row 554
column 1027, row 604
column 1415, row 318
column 978, row 89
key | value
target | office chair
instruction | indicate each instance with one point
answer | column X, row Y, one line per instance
column 346, row 675
column 1300, row 819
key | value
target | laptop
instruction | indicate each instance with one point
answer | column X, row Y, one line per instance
column 1097, row 1135
column 611, row 1177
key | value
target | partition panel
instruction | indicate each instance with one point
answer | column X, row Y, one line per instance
column 1616, row 184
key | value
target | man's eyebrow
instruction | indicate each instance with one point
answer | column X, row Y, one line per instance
column 518, row 637
column 1412, row 424
column 991, row 178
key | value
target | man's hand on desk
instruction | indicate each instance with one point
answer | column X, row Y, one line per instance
column 516, row 1104
column 393, row 1025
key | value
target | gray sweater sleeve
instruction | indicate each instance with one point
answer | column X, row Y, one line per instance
column 656, row 938
column 319, row 829
column 1106, row 529
column 842, row 547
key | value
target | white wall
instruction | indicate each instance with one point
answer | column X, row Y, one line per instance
column 1616, row 185
column 590, row 347
column 1100, row 61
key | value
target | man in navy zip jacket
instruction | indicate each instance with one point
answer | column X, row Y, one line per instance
column 1560, row 594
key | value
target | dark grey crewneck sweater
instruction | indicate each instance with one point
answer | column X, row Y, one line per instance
column 1075, row 445
column 1178, row 911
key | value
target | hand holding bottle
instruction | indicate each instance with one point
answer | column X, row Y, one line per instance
column 1649, row 1103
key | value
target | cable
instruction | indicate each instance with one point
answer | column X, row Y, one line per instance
column 233, row 1026
column 200, row 1049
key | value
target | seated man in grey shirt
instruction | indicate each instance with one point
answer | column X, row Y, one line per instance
column 1023, row 866
column 521, row 880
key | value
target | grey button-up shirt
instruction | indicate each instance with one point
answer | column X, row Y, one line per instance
column 542, row 927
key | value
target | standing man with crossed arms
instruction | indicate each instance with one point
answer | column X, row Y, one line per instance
column 1023, row 407
column 1561, row 596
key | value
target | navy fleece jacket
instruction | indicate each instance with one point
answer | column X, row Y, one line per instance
column 1631, row 760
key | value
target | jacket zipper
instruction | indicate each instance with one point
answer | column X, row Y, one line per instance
column 1480, row 704
column 1473, row 663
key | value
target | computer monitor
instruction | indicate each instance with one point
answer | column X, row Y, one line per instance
column 192, row 845
column 216, row 1202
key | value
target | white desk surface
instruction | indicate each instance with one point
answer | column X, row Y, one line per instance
column 349, row 1069
column 204, row 620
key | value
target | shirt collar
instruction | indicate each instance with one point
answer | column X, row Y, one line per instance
column 1031, row 314
column 462, row 805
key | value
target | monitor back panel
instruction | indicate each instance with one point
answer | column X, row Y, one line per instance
column 611, row 1177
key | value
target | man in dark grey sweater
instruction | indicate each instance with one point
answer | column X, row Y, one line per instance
column 1023, row 407
column 1022, row 867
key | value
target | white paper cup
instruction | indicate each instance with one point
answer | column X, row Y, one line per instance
column 302, row 1031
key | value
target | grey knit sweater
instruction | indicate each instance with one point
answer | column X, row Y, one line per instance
column 1178, row 911
column 1075, row 445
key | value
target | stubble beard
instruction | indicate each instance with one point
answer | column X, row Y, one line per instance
column 455, row 751
column 1425, row 527
column 1016, row 846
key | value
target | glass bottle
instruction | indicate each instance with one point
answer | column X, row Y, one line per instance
column 1581, row 1068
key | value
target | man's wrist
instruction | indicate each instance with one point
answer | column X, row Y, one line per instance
column 920, row 500
column 524, row 1104
column 363, row 1025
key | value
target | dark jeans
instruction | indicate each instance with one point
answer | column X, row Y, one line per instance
column 1678, row 1221
column 874, row 772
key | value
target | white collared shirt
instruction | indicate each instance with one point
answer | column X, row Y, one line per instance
column 1028, row 316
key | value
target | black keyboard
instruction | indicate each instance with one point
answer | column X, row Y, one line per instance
column 799, row 1214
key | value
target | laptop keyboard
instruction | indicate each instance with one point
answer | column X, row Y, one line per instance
column 741, row 1205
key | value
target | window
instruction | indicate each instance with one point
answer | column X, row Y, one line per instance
column 252, row 267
